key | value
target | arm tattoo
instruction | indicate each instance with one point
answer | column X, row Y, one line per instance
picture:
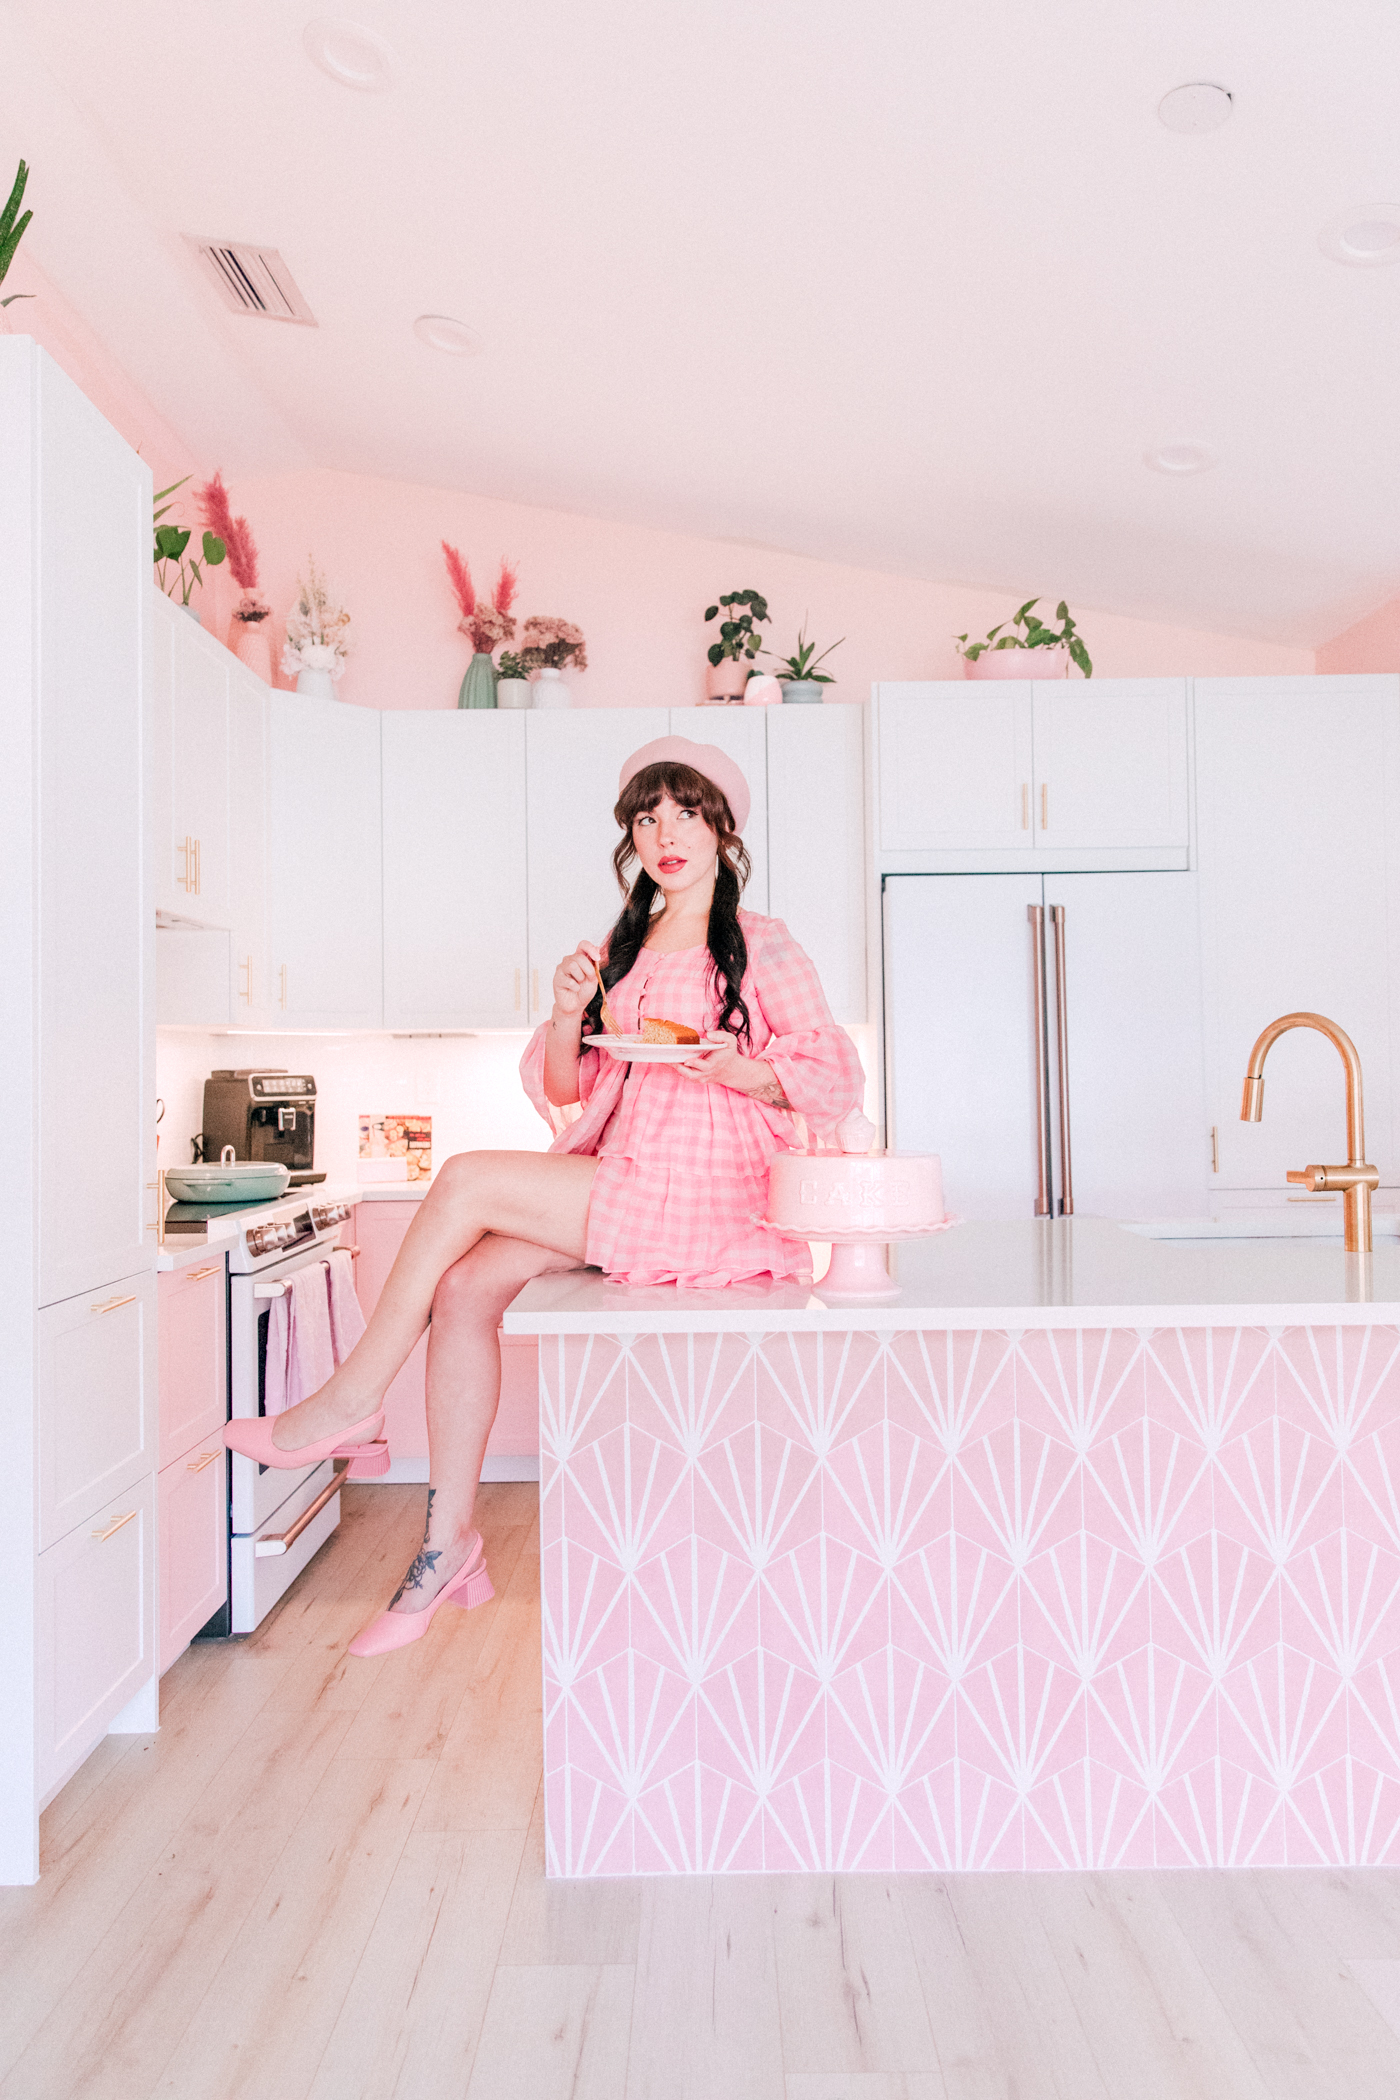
column 771, row 1095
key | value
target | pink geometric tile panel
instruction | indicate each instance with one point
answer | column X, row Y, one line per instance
column 971, row 1600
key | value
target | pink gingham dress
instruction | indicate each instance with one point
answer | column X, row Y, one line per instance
column 682, row 1183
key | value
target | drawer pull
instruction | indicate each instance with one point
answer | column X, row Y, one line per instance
column 197, row 1465
column 112, row 1304
column 214, row 1268
column 116, row 1524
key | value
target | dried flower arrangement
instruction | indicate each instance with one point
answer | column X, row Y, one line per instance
column 217, row 513
column 318, row 630
column 549, row 644
column 488, row 621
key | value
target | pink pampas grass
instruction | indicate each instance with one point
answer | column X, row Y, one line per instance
column 216, row 514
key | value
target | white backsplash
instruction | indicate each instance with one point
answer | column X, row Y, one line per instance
column 469, row 1086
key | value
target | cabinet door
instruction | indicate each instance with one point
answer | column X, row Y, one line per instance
column 740, row 733
column 95, row 918
column 816, row 842
column 1111, row 766
column 192, row 977
column 572, row 761
column 955, row 767
column 192, row 1501
column 1298, row 783
column 1138, row 1127
column 961, row 1034
column 193, row 1359
column 247, row 808
column 97, row 1417
column 199, row 847
column 454, row 869
column 324, row 864
column 379, row 1231
column 95, row 1599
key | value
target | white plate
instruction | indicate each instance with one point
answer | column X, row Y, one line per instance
column 636, row 1052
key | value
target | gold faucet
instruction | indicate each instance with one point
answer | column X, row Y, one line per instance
column 1355, row 1180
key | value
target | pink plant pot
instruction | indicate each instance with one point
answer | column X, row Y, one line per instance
column 728, row 678
column 251, row 643
column 1018, row 663
column 763, row 691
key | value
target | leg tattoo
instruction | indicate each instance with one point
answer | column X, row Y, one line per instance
column 424, row 1561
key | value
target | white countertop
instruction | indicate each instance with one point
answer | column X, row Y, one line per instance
column 1074, row 1272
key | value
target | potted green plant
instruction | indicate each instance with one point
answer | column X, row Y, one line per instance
column 11, row 232
column 732, row 656
column 512, row 680
column 170, row 544
column 802, row 681
column 998, row 655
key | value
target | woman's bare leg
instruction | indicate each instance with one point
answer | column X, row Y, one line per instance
column 537, row 1196
column 464, row 1390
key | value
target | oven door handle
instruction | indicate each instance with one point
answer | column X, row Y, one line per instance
column 279, row 1290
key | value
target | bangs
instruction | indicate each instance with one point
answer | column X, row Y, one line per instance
column 686, row 787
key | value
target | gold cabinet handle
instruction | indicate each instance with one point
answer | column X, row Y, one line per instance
column 113, row 1303
column 246, row 992
column 1215, row 1148
column 1025, row 806
column 214, row 1268
column 116, row 1524
column 517, row 991
column 1044, row 807
column 196, row 867
column 186, row 847
column 282, row 995
column 197, row 1465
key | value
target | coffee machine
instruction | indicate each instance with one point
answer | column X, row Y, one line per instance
column 264, row 1115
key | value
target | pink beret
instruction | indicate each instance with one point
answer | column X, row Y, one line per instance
column 708, row 759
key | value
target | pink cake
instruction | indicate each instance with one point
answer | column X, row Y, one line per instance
column 815, row 1194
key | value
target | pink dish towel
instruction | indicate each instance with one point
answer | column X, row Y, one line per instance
column 347, row 1321
column 310, row 1353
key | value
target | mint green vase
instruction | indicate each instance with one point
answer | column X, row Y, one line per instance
column 479, row 685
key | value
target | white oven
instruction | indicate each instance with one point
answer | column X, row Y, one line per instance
column 278, row 1519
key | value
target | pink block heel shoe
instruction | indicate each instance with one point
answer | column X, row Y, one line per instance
column 470, row 1586
column 252, row 1436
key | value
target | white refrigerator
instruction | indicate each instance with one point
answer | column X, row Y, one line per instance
column 1043, row 1035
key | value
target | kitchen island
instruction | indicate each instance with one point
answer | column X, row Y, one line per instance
column 1082, row 1552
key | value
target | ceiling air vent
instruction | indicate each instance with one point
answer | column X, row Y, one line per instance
column 253, row 280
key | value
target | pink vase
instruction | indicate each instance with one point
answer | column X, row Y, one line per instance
column 252, row 645
column 728, row 678
column 1018, row 663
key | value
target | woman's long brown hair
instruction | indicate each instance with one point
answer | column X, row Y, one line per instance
column 729, row 955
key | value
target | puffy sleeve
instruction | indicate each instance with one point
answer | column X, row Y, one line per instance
column 815, row 1060
column 532, row 1079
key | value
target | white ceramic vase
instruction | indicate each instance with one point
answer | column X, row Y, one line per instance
column 550, row 689
column 315, row 685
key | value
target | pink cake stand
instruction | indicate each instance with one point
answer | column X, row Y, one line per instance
column 858, row 1268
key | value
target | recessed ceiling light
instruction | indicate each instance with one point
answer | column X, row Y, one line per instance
column 1179, row 459
column 350, row 53
column 1199, row 106
column 1364, row 236
column 441, row 332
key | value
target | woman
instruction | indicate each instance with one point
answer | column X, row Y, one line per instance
column 663, row 1178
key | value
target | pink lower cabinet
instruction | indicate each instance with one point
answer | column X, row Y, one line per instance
column 96, row 1636
column 513, row 1449
column 192, row 1487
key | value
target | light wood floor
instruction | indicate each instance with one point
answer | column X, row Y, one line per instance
column 323, row 1880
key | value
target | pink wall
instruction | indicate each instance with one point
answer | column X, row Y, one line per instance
column 638, row 594
column 1373, row 644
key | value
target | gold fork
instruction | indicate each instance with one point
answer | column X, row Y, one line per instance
column 606, row 1012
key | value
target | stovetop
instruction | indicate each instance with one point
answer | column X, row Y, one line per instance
column 260, row 1232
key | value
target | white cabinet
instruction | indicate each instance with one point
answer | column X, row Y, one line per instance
column 192, row 803
column 741, row 733
column 816, row 843
column 455, row 952
column 1298, row 788
column 324, row 864
column 572, row 761
column 95, row 1623
column 1056, row 775
column 249, row 977
column 97, row 1388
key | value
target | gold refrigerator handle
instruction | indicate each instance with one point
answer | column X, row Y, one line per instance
column 1036, row 914
column 1057, row 920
